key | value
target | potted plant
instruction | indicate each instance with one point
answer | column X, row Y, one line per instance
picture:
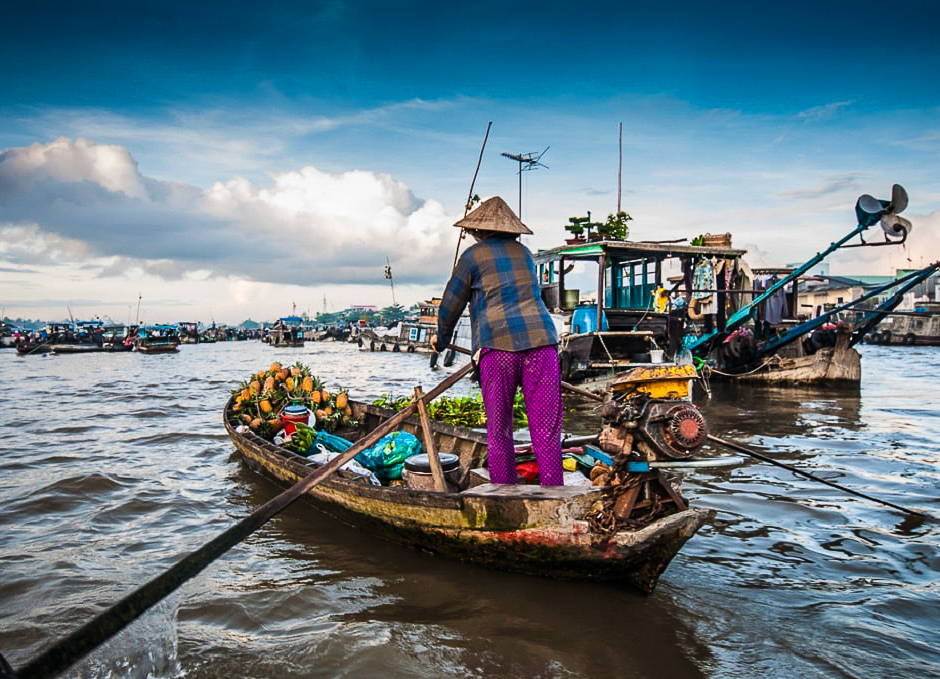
column 594, row 231
column 615, row 228
column 575, row 227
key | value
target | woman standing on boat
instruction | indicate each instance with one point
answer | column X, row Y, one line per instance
column 515, row 336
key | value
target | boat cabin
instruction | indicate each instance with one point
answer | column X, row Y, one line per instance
column 428, row 310
column 648, row 296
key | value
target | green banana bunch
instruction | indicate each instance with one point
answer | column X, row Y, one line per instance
column 302, row 438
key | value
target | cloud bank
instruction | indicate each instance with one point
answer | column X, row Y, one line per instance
column 72, row 200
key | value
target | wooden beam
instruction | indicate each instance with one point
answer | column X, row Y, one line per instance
column 437, row 473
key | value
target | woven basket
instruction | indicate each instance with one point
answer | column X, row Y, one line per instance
column 717, row 240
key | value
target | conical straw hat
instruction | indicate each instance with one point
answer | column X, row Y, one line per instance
column 493, row 215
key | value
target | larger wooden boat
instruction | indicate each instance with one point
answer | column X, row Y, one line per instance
column 409, row 335
column 548, row 531
column 657, row 300
column 834, row 363
column 920, row 327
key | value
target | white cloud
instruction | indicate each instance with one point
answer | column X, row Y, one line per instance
column 64, row 160
column 87, row 217
column 825, row 111
column 68, row 200
column 28, row 244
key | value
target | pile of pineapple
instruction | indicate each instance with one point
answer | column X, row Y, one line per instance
column 261, row 399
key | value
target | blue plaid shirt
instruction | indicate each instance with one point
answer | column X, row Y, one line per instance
column 497, row 278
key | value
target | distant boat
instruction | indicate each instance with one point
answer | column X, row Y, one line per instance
column 10, row 335
column 287, row 332
column 157, row 339
column 117, row 338
column 414, row 335
column 189, row 332
column 920, row 327
column 79, row 337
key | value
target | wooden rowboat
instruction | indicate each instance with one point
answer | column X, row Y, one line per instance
column 527, row 528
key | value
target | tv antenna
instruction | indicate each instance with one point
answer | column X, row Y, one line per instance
column 527, row 162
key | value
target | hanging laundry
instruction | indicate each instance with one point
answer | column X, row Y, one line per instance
column 775, row 307
column 703, row 282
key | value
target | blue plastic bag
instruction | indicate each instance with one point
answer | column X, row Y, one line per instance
column 386, row 458
column 331, row 442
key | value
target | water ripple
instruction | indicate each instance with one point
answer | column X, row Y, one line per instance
column 133, row 470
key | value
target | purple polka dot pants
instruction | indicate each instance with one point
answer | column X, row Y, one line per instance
column 536, row 370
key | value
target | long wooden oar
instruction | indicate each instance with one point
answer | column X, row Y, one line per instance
column 764, row 458
column 76, row 645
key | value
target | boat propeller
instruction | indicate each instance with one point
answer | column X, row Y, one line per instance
column 870, row 210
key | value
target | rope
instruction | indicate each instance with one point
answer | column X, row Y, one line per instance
column 764, row 458
column 600, row 336
column 749, row 372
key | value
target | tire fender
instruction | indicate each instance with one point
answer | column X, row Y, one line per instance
column 564, row 364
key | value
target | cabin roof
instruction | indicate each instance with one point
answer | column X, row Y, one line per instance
column 634, row 249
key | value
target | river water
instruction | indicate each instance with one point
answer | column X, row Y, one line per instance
column 113, row 467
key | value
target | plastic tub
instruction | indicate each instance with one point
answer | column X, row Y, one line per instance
column 294, row 414
column 417, row 470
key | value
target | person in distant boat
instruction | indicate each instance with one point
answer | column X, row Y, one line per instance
column 514, row 335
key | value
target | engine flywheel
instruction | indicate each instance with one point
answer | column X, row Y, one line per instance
column 685, row 427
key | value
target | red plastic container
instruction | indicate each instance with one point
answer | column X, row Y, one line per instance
column 294, row 414
column 528, row 471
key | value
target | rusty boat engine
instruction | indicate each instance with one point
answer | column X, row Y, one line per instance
column 649, row 418
column 649, row 415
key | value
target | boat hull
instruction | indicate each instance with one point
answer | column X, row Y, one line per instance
column 838, row 365
column 916, row 329
column 161, row 348
column 827, row 366
column 528, row 529
column 76, row 348
column 117, row 346
column 27, row 348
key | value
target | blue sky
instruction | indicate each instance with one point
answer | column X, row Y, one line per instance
column 231, row 160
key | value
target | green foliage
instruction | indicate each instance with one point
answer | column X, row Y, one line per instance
column 578, row 225
column 392, row 314
column 575, row 225
column 461, row 411
column 615, row 228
